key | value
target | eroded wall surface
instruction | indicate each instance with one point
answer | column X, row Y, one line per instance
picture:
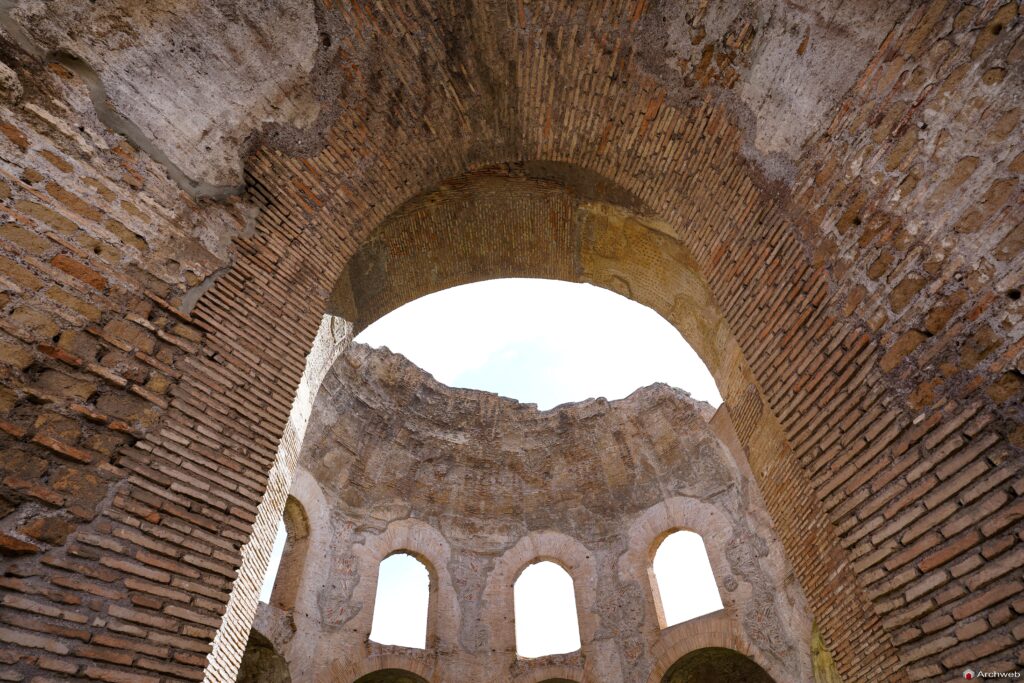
column 479, row 486
column 864, row 261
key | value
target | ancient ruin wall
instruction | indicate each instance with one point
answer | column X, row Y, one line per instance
column 479, row 486
column 151, row 344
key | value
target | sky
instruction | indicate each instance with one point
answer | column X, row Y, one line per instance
column 400, row 608
column 544, row 342
column 275, row 562
column 545, row 611
column 685, row 580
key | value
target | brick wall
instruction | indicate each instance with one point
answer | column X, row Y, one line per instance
column 874, row 292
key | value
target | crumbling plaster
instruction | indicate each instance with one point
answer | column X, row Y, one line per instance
column 157, row 69
column 869, row 310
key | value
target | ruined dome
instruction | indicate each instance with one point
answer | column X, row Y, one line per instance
column 478, row 486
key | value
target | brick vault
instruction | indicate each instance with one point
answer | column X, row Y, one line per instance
column 825, row 199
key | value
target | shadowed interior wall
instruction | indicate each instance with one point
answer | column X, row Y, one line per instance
column 718, row 665
column 261, row 663
column 860, row 238
column 391, row 676
column 293, row 556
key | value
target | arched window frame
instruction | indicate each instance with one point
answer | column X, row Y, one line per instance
column 293, row 558
column 553, row 546
column 430, row 641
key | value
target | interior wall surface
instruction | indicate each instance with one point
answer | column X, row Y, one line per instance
column 478, row 487
column 858, row 229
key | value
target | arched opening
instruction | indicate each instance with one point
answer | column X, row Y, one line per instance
column 261, row 663
column 682, row 580
column 566, row 225
column 391, row 676
column 295, row 529
column 546, row 620
column 546, row 342
column 716, row 665
column 435, row 242
column 402, row 603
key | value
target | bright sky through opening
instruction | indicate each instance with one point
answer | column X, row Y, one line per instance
column 542, row 341
column 403, row 597
column 545, row 342
column 685, row 580
column 275, row 562
column 545, row 611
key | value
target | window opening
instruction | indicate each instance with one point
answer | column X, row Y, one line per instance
column 403, row 599
column 545, row 611
column 684, row 581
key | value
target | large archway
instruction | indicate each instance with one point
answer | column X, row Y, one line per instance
column 262, row 663
column 555, row 220
column 859, row 240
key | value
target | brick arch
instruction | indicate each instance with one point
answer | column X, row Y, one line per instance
column 388, row 661
column 865, row 290
column 710, row 637
column 501, row 222
column 621, row 246
column 710, row 630
column 391, row 676
column 551, row 674
column 768, row 577
column 428, row 546
column 568, row 553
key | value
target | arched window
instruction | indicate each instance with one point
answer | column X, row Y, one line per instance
column 683, row 583
column 545, row 611
column 295, row 530
column 402, row 603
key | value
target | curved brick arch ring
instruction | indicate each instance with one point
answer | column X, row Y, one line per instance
column 712, row 630
column 551, row 673
column 568, row 553
column 427, row 545
column 383, row 662
column 729, row 625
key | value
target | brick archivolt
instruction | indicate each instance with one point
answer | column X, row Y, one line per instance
column 539, row 546
column 428, row 546
column 151, row 344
